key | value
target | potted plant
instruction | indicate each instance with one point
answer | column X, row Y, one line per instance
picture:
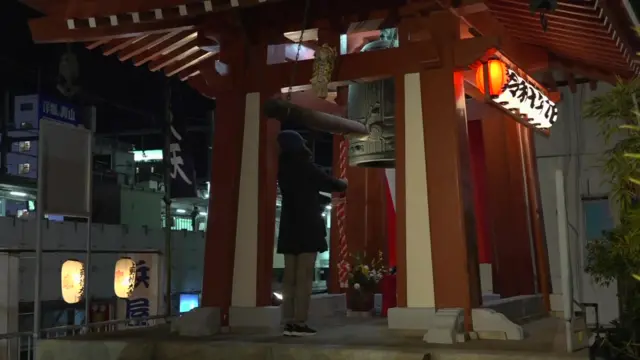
column 616, row 256
column 364, row 277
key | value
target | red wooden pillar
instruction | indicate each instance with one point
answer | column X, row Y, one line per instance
column 241, row 224
column 217, row 283
column 437, row 259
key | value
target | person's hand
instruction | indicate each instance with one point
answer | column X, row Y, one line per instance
column 338, row 201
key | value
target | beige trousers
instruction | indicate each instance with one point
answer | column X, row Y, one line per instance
column 297, row 284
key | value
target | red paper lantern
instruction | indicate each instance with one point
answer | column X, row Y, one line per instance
column 497, row 77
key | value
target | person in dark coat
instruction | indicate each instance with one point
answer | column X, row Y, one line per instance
column 302, row 228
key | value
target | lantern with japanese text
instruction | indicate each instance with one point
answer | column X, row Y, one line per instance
column 72, row 281
column 497, row 77
column 124, row 278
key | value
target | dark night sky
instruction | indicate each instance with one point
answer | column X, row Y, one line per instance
column 126, row 97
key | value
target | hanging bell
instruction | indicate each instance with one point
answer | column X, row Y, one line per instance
column 373, row 105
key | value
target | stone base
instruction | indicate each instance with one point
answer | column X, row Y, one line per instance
column 327, row 305
column 489, row 297
column 445, row 326
column 266, row 318
column 198, row 322
column 519, row 309
column 359, row 314
column 410, row 318
column 489, row 324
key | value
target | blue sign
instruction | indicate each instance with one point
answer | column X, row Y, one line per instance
column 57, row 111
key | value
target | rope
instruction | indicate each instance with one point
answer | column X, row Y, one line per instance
column 341, row 211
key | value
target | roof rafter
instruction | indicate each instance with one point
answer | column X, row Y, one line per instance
column 80, row 9
column 48, row 30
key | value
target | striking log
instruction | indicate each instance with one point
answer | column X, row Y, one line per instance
column 285, row 111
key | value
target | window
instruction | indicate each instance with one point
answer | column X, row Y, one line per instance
column 26, row 107
column 24, row 168
column 24, row 146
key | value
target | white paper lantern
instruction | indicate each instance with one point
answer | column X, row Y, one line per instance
column 124, row 278
column 72, row 281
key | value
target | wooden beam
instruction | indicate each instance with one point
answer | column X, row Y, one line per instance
column 411, row 57
column 589, row 72
column 144, row 44
column 119, row 44
column 93, row 8
column 51, row 30
column 183, row 50
column 199, row 84
column 186, row 74
column 529, row 58
column 166, row 46
column 187, row 62
column 97, row 44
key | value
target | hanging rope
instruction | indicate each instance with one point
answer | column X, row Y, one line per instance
column 305, row 20
column 341, row 214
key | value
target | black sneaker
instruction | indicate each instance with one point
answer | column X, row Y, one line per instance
column 302, row 330
column 288, row 330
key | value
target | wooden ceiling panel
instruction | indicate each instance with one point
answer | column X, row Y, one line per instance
column 576, row 31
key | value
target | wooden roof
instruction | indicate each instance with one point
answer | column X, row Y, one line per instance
column 163, row 34
column 589, row 32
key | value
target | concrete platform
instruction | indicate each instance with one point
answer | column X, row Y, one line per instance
column 337, row 339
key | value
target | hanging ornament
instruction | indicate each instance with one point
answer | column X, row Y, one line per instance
column 323, row 64
column 543, row 7
column 68, row 74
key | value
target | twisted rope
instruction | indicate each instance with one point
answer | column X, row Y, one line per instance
column 341, row 212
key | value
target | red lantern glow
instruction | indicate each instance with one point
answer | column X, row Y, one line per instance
column 497, row 77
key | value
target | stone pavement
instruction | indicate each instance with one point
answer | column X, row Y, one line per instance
column 337, row 339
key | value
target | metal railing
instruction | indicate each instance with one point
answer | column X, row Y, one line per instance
column 20, row 345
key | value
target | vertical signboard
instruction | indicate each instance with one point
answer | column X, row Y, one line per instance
column 183, row 174
column 146, row 299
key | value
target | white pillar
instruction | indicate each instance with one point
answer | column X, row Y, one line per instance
column 9, row 301
column 243, row 311
column 419, row 268
column 246, row 254
column 420, row 289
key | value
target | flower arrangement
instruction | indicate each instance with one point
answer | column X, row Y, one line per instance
column 364, row 276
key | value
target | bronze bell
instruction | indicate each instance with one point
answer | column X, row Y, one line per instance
column 370, row 126
column 373, row 105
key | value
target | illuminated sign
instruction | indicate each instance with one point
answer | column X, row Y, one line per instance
column 57, row 111
column 525, row 100
column 147, row 155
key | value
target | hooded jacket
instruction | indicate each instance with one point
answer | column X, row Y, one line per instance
column 302, row 228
